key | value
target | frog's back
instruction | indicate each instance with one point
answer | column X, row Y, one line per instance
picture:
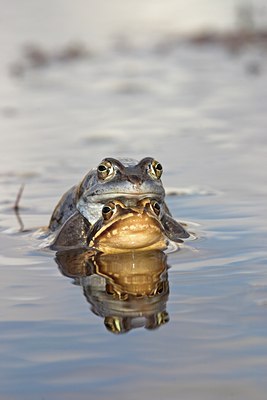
column 64, row 209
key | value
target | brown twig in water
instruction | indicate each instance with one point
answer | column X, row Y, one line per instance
column 16, row 207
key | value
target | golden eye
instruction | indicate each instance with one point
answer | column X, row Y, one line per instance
column 155, row 207
column 107, row 211
column 156, row 169
column 104, row 170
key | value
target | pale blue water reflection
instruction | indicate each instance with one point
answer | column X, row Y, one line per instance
column 214, row 342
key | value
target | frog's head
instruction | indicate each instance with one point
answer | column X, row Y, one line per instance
column 122, row 229
column 121, row 178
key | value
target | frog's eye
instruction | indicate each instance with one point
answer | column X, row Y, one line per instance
column 108, row 210
column 104, row 170
column 155, row 207
column 156, row 169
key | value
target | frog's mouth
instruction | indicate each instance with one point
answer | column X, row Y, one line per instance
column 131, row 230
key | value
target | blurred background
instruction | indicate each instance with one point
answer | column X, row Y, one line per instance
column 184, row 81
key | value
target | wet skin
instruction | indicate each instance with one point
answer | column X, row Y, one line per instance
column 127, row 179
column 134, row 194
column 123, row 228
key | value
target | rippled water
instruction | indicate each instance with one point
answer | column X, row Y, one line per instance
column 202, row 112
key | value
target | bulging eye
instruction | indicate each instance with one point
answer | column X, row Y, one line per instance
column 155, row 207
column 156, row 169
column 108, row 210
column 105, row 170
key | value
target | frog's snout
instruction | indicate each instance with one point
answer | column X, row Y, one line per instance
column 135, row 179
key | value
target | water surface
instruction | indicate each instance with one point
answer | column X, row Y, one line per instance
column 202, row 112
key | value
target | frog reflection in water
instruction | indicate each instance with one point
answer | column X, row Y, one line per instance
column 117, row 224
column 115, row 203
column 128, row 290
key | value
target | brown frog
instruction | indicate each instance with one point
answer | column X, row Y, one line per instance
column 124, row 228
column 81, row 216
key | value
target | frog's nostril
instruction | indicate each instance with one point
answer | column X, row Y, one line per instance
column 135, row 179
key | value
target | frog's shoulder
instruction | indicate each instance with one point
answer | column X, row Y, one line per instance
column 174, row 230
column 73, row 233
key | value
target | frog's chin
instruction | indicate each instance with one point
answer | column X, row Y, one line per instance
column 103, row 198
column 92, row 209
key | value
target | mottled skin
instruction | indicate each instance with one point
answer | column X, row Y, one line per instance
column 135, row 193
column 122, row 228
column 128, row 179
